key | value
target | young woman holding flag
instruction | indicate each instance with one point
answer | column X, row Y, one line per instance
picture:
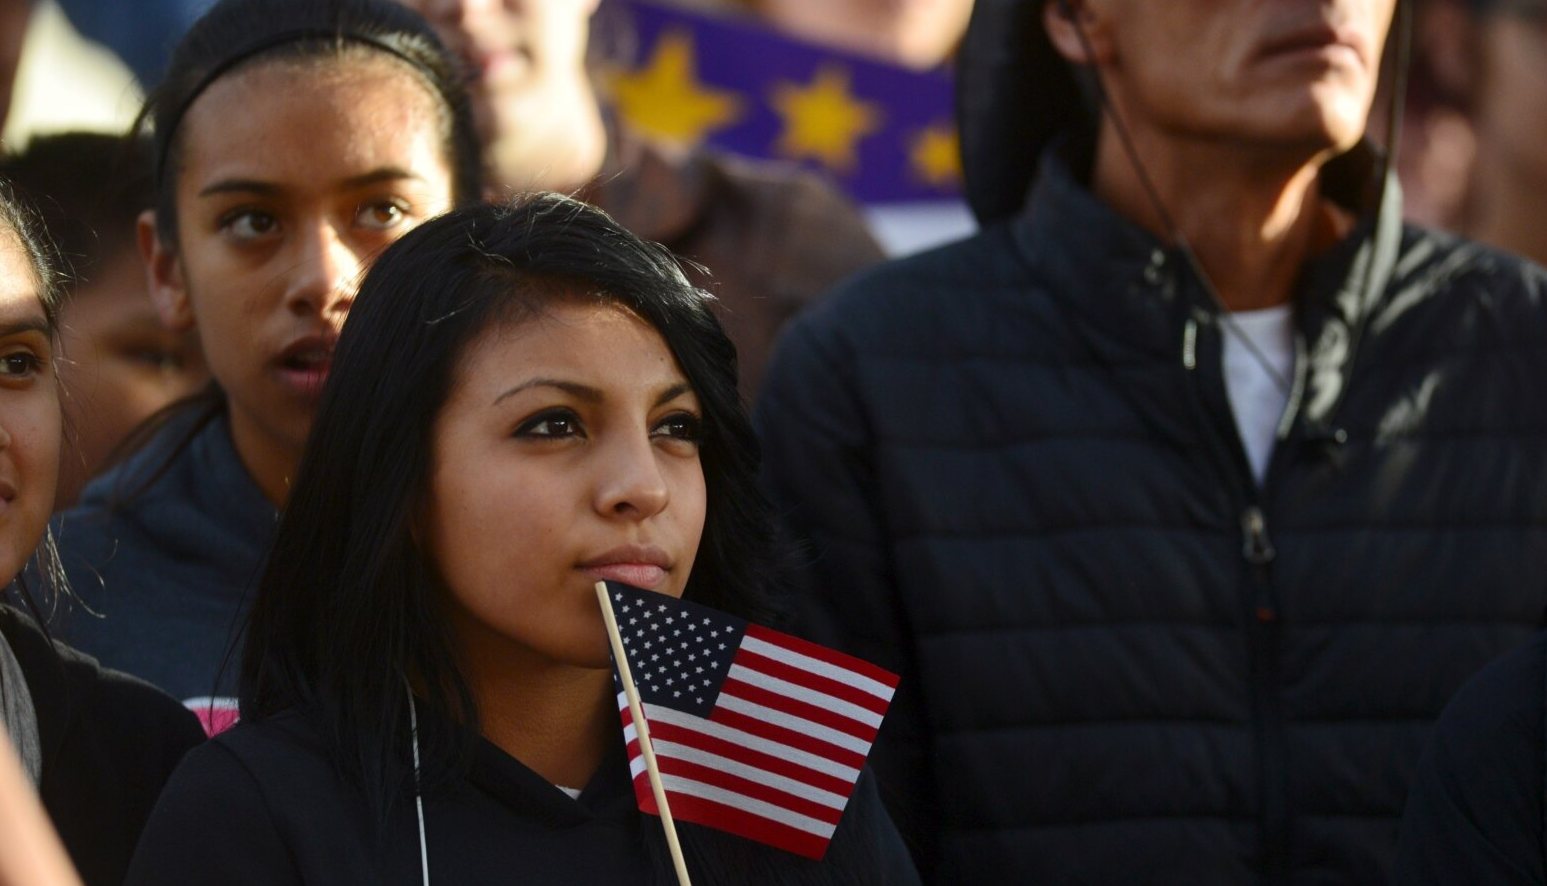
column 527, row 400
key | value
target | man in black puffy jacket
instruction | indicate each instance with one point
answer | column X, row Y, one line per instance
column 1185, row 494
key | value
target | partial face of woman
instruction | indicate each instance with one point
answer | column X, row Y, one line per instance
column 29, row 412
column 567, row 454
column 293, row 176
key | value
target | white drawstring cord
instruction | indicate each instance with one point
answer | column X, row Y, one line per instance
column 413, row 732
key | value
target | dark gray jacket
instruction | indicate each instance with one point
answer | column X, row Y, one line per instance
column 164, row 572
column 1122, row 661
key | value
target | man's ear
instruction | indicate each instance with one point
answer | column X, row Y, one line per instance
column 1065, row 19
column 163, row 275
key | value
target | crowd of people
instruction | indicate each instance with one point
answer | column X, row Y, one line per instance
column 1199, row 500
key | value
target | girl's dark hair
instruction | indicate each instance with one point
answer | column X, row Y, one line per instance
column 19, row 225
column 347, row 606
column 231, row 36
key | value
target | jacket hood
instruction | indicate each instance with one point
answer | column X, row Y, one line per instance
column 1014, row 95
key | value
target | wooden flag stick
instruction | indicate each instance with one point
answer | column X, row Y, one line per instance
column 642, row 729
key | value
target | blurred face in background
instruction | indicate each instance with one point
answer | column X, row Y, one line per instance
column 915, row 33
column 118, row 365
column 526, row 67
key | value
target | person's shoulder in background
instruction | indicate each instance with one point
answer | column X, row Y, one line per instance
column 1474, row 813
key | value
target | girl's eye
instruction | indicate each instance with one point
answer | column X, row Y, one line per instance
column 19, row 365
column 552, row 425
column 382, row 215
column 681, row 426
column 249, row 224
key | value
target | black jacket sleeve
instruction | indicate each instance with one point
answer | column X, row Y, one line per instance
column 109, row 743
column 1474, row 813
column 819, row 469
column 212, row 825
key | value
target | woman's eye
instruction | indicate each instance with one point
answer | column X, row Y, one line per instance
column 681, row 426
column 19, row 365
column 551, row 425
column 382, row 215
column 249, row 224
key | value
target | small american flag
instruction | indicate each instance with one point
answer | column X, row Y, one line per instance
column 755, row 732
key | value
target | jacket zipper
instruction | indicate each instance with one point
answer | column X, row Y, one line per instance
column 1263, row 628
column 1264, row 633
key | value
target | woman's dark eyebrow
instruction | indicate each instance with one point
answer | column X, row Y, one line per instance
column 240, row 185
column 385, row 174
column 673, row 393
column 588, row 394
column 263, row 188
column 578, row 391
column 31, row 324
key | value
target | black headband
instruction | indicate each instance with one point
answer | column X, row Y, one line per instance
column 258, row 47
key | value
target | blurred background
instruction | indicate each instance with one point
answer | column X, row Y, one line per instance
column 857, row 90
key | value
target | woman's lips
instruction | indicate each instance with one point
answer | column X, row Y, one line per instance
column 640, row 575
column 304, row 365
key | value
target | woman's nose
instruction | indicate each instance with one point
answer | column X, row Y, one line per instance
column 632, row 485
column 325, row 275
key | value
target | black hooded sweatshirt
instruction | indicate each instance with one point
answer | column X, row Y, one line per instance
column 264, row 804
column 109, row 742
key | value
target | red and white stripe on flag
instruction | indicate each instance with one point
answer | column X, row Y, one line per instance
column 779, row 754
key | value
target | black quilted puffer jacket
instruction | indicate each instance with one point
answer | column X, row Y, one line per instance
column 1122, row 660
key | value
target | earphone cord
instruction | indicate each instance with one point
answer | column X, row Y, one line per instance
column 413, row 733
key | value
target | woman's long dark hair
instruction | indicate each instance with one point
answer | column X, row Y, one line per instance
column 231, row 37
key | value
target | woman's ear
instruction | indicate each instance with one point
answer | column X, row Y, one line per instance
column 1065, row 19
column 163, row 275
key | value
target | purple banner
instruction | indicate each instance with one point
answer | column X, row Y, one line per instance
column 884, row 133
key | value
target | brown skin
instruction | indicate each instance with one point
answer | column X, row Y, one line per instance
column 918, row 34
column 272, row 241
column 1234, row 106
column 567, row 454
column 31, row 853
column 537, row 112
column 30, row 418
column 118, row 366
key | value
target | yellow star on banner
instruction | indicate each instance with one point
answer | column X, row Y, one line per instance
column 936, row 155
column 665, row 99
column 823, row 120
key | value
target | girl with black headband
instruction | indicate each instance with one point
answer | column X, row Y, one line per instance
column 293, row 140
